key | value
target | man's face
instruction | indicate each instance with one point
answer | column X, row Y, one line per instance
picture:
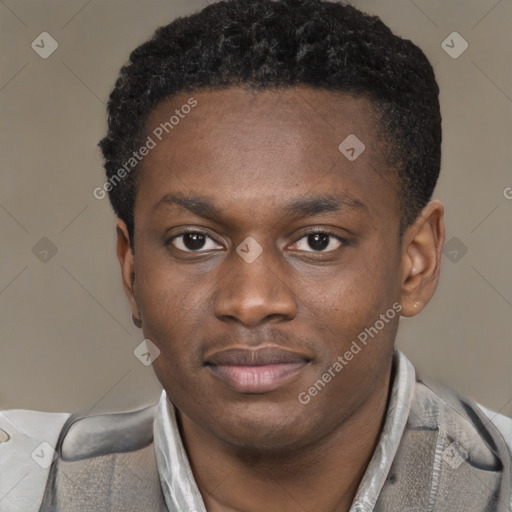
column 267, row 166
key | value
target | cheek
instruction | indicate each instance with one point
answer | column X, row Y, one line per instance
column 345, row 309
column 171, row 304
column 171, row 309
column 356, row 341
column 165, row 294
column 350, row 297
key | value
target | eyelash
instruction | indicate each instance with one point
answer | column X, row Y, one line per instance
column 192, row 232
column 321, row 231
column 344, row 241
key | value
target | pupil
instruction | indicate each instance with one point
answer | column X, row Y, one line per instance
column 318, row 241
column 194, row 241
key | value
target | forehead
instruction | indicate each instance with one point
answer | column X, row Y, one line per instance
column 262, row 147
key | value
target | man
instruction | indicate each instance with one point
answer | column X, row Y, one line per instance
column 271, row 165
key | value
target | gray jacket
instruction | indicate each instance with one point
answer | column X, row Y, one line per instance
column 450, row 458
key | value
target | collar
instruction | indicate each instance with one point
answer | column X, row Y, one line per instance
column 400, row 401
column 179, row 486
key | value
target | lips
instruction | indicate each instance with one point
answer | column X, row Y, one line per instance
column 256, row 370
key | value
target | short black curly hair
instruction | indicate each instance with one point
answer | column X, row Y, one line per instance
column 265, row 44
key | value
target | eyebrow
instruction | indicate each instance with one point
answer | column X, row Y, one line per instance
column 310, row 206
column 203, row 206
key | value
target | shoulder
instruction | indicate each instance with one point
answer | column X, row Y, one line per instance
column 455, row 454
column 481, row 430
column 502, row 423
column 92, row 436
column 32, row 441
column 27, row 450
column 474, row 445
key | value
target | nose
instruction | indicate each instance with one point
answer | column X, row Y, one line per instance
column 253, row 293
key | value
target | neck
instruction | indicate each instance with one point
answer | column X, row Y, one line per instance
column 323, row 476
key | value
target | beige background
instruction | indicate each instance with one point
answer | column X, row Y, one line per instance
column 66, row 336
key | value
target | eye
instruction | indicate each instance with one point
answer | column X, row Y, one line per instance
column 319, row 242
column 194, row 241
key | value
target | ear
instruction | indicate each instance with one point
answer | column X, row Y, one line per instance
column 422, row 245
column 126, row 260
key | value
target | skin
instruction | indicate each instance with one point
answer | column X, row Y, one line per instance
column 250, row 154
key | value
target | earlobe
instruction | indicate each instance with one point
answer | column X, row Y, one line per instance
column 137, row 321
column 126, row 260
column 421, row 258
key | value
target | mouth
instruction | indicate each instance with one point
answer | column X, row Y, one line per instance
column 256, row 370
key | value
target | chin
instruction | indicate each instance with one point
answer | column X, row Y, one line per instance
column 263, row 427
